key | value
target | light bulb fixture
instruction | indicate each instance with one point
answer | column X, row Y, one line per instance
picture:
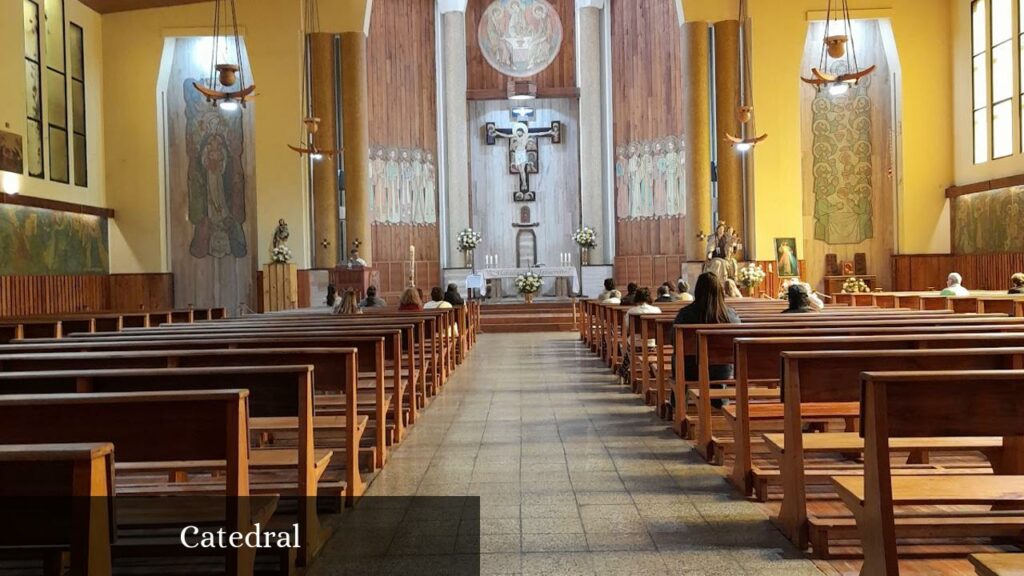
column 310, row 25
column 834, row 48
column 838, row 88
column 225, row 75
column 312, row 127
column 744, row 109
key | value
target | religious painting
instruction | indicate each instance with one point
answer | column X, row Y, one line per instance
column 403, row 186
column 36, row 241
column 841, row 152
column 216, row 177
column 650, row 179
column 519, row 38
column 788, row 261
column 989, row 222
column 11, row 154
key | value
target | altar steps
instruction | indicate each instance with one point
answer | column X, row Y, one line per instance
column 537, row 317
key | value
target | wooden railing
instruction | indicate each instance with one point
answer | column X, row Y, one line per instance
column 980, row 271
column 42, row 295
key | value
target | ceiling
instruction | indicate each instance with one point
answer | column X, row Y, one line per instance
column 108, row 6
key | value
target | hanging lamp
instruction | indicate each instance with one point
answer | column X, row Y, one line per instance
column 310, row 25
column 224, row 75
column 744, row 109
column 834, row 49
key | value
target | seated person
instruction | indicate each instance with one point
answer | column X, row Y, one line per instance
column 683, row 291
column 410, row 300
column 799, row 300
column 1017, row 283
column 642, row 305
column 609, row 285
column 452, row 295
column 954, row 286
column 436, row 300
column 371, row 299
column 665, row 294
column 627, row 299
column 332, row 296
column 614, row 297
column 708, row 308
column 354, row 261
column 348, row 304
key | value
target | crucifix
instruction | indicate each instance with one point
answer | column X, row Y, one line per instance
column 522, row 151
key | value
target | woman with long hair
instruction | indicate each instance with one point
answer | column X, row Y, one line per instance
column 708, row 308
column 410, row 300
column 799, row 300
column 348, row 304
column 332, row 295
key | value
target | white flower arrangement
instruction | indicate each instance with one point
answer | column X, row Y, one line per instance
column 468, row 240
column 855, row 286
column 751, row 275
column 528, row 283
column 585, row 237
column 281, row 255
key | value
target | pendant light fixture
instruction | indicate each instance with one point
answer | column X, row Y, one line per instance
column 833, row 50
column 310, row 25
column 224, row 75
column 745, row 141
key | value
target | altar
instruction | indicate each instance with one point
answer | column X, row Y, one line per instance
column 561, row 276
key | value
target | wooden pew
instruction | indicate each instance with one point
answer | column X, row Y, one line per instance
column 715, row 345
column 367, row 343
column 947, row 404
column 760, row 359
column 148, row 427
column 274, row 392
column 833, row 377
column 57, row 498
column 335, row 372
column 994, row 564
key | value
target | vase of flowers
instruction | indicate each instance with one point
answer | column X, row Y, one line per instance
column 528, row 284
column 855, row 285
column 586, row 239
column 281, row 255
column 467, row 241
column 750, row 277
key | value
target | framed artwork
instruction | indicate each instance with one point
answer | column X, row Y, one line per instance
column 11, row 153
column 848, row 268
column 787, row 259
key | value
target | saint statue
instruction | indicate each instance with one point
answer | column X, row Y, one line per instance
column 721, row 252
column 281, row 233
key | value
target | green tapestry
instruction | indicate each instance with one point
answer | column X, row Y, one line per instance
column 989, row 222
column 35, row 241
column 841, row 126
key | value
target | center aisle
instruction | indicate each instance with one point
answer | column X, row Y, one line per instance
column 575, row 475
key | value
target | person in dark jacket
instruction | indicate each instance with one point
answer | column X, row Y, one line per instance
column 708, row 308
column 665, row 294
column 371, row 299
column 630, row 295
column 452, row 295
column 1017, row 283
column 799, row 300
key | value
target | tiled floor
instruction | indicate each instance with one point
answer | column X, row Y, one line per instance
column 575, row 476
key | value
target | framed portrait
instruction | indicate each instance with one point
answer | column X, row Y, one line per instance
column 787, row 258
column 12, row 155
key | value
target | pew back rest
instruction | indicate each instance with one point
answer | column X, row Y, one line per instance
column 143, row 426
column 273, row 391
column 956, row 403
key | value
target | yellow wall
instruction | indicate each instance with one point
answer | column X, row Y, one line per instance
column 133, row 44
column 779, row 31
column 12, row 100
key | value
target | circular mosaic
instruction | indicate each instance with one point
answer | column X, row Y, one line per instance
column 519, row 38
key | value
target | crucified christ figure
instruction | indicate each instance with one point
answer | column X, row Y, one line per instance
column 520, row 138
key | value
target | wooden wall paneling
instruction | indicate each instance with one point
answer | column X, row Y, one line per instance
column 46, row 295
column 980, row 271
column 559, row 76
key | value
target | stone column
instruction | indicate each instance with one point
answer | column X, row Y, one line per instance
column 356, row 129
column 456, row 127
column 697, row 136
column 592, row 205
column 324, row 184
column 730, row 162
